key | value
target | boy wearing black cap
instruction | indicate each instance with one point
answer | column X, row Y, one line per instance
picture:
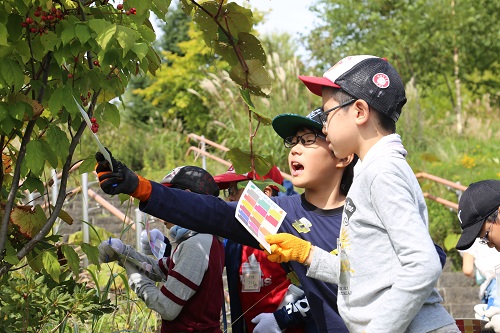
column 387, row 267
column 478, row 210
column 191, row 276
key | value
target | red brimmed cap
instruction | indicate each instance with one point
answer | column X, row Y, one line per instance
column 230, row 176
column 365, row 77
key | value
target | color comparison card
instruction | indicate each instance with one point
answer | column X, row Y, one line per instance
column 259, row 214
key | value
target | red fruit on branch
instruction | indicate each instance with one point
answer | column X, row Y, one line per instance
column 96, row 63
column 29, row 20
column 120, row 6
column 133, row 11
column 34, row 30
column 37, row 13
column 70, row 76
column 93, row 120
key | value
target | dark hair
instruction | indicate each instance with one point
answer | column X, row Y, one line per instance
column 493, row 217
column 348, row 176
column 386, row 122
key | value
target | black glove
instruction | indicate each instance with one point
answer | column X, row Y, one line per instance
column 120, row 180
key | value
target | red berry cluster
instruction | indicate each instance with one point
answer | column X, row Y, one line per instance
column 95, row 125
column 85, row 100
column 131, row 11
column 43, row 21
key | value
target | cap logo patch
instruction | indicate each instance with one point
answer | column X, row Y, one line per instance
column 459, row 218
column 381, row 80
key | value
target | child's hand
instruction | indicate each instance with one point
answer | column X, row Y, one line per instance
column 286, row 247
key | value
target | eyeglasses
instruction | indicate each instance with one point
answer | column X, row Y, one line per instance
column 484, row 239
column 324, row 115
column 233, row 190
column 305, row 139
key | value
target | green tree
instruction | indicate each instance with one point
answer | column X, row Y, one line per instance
column 56, row 56
column 434, row 42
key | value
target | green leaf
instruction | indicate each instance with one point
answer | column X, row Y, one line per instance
column 72, row 258
column 245, row 94
column 49, row 41
column 35, row 260
column 50, row 155
column 3, row 35
column 67, row 32
column 82, row 32
column 109, row 113
column 236, row 18
column 58, row 140
column 92, row 253
column 141, row 50
column 12, row 73
column 147, row 34
column 35, row 158
column 104, row 37
column 258, row 81
column 10, row 254
column 87, row 165
column 126, row 38
column 160, row 7
column 99, row 25
column 56, row 101
column 33, row 184
column 51, row 265
column 242, row 161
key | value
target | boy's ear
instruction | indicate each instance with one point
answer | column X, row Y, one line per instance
column 362, row 111
column 344, row 162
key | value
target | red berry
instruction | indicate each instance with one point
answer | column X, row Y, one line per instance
column 96, row 63
column 23, row 24
column 34, row 30
column 127, row 12
column 133, row 11
column 70, row 76
column 120, row 6
column 94, row 128
column 29, row 20
column 44, row 18
column 53, row 9
column 93, row 120
column 50, row 17
column 37, row 14
column 38, row 8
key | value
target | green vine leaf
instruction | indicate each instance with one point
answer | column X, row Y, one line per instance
column 51, row 265
column 242, row 161
column 259, row 81
column 92, row 253
column 72, row 258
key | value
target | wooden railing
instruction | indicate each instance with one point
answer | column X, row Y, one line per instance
column 458, row 187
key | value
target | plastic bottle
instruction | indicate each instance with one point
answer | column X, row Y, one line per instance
column 292, row 294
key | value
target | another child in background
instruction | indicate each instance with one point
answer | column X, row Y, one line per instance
column 387, row 265
column 478, row 212
column 192, row 275
column 256, row 309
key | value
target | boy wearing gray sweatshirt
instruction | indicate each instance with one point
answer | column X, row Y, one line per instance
column 386, row 268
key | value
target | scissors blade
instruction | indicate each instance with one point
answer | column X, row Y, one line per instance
column 103, row 150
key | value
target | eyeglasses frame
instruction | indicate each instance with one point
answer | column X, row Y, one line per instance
column 324, row 115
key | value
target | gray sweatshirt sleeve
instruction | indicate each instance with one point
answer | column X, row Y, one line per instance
column 191, row 262
column 324, row 266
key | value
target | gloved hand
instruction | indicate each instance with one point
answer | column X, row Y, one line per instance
column 286, row 247
column 121, row 179
column 154, row 235
column 266, row 323
column 481, row 311
column 108, row 250
column 494, row 323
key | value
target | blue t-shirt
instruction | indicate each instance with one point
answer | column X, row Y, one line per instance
column 207, row 214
